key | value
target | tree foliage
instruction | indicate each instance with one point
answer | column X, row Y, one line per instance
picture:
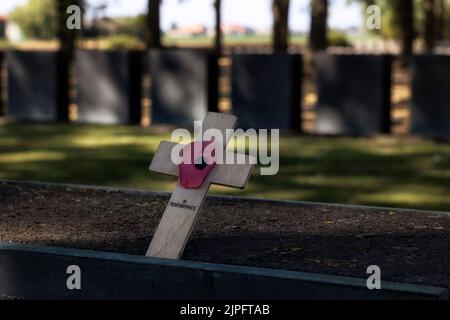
column 391, row 26
column 36, row 18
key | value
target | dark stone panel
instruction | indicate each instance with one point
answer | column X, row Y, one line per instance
column 33, row 86
column 108, row 86
column 354, row 94
column 431, row 96
column 184, row 85
column 266, row 90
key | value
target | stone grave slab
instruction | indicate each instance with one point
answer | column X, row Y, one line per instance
column 353, row 94
column 32, row 86
column 431, row 96
column 184, row 85
column 266, row 90
column 108, row 86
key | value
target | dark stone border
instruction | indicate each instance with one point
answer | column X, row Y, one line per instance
column 32, row 272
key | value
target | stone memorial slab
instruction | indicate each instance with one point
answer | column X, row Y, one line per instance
column 354, row 94
column 195, row 179
column 431, row 96
column 108, row 86
column 32, row 86
column 266, row 90
column 184, row 85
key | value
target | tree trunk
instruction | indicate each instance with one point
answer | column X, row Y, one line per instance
column 280, row 34
column 65, row 55
column 429, row 34
column 318, row 31
column 218, row 27
column 65, row 36
column 405, row 10
column 153, row 25
column 440, row 23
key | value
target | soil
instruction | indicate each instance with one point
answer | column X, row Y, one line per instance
column 409, row 247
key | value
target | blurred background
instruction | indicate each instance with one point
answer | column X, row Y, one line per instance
column 59, row 90
column 192, row 23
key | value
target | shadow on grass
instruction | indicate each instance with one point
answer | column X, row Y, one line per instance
column 412, row 174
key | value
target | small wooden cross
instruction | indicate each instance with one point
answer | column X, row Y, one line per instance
column 184, row 206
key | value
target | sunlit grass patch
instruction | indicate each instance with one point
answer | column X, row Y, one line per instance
column 30, row 156
column 384, row 171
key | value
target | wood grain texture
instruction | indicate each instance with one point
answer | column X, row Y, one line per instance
column 177, row 222
column 161, row 162
column 219, row 121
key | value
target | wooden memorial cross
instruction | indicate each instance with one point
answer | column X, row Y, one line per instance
column 182, row 211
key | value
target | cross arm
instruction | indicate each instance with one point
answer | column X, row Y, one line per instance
column 161, row 162
column 231, row 175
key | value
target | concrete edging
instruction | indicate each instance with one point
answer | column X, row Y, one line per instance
column 34, row 272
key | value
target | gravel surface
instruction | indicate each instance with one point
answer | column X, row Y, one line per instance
column 409, row 247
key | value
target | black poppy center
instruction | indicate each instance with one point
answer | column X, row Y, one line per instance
column 200, row 163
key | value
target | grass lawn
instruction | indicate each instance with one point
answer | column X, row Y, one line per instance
column 397, row 172
column 247, row 40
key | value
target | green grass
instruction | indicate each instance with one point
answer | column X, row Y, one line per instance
column 247, row 40
column 393, row 172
